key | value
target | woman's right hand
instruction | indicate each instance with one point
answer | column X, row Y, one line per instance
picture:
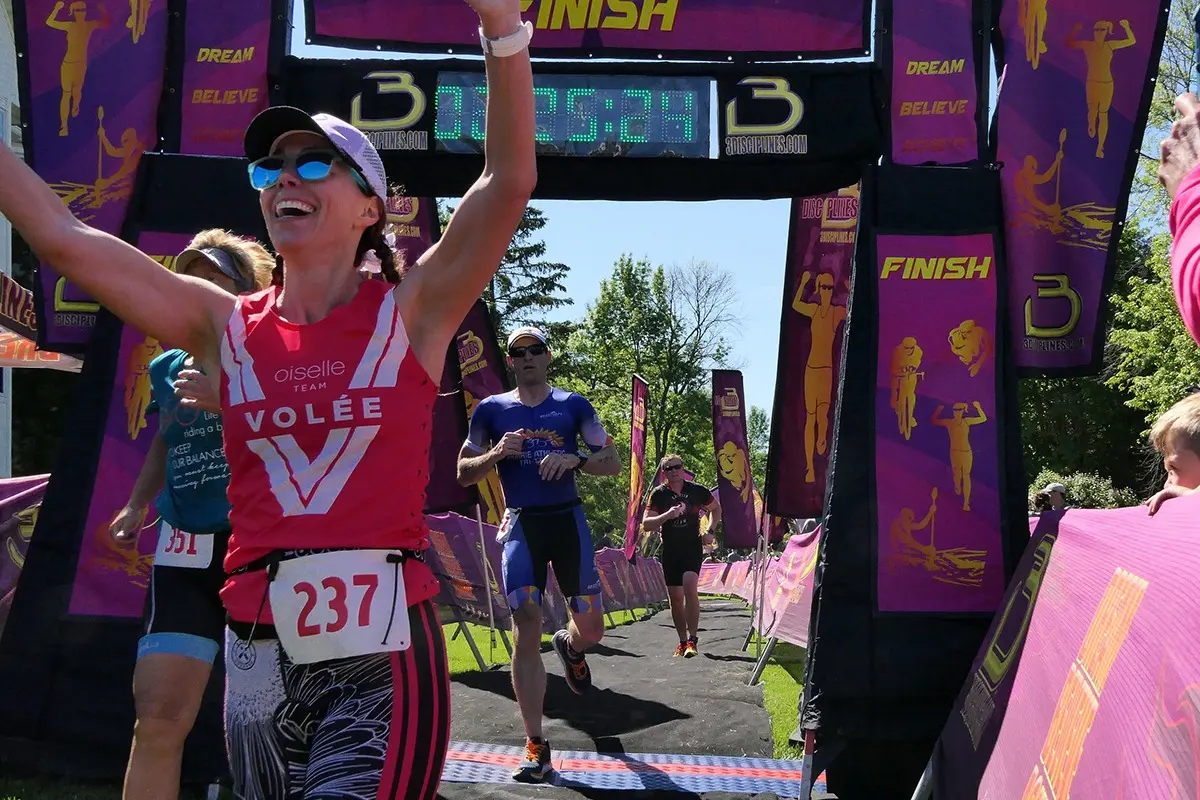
column 127, row 526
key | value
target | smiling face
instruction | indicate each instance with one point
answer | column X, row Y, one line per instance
column 329, row 214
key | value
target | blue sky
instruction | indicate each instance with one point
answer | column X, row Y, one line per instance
column 746, row 237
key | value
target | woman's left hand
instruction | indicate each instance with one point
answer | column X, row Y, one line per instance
column 499, row 17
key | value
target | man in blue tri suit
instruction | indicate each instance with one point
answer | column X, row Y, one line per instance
column 532, row 436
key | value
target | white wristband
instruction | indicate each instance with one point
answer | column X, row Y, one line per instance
column 507, row 45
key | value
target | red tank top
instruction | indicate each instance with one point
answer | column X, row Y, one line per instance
column 327, row 434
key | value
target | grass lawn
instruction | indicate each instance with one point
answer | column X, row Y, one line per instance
column 781, row 686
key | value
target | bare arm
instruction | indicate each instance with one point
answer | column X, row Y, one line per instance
column 457, row 269
column 188, row 312
column 714, row 513
column 653, row 523
column 603, row 462
column 154, row 472
column 474, row 466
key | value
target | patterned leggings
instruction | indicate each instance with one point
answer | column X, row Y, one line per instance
column 367, row 728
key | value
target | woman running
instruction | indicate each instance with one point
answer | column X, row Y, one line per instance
column 327, row 390
column 186, row 469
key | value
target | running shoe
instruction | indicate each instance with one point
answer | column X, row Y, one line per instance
column 579, row 677
column 689, row 649
column 536, row 767
column 678, row 650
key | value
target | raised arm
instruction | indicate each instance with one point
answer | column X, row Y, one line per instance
column 53, row 21
column 435, row 299
column 805, row 308
column 1181, row 179
column 1129, row 41
column 186, row 312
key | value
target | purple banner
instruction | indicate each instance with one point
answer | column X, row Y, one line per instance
column 646, row 28
column 735, row 482
column 224, row 73
column 1071, row 112
column 812, row 324
column 637, row 461
column 20, row 500
column 1098, row 685
column 91, row 87
column 111, row 581
column 937, row 451
column 935, row 98
column 483, row 374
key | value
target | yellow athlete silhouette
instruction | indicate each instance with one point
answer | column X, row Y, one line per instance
column 958, row 565
column 1085, row 224
column 139, row 12
column 971, row 344
column 962, row 459
column 818, row 370
column 1032, row 16
column 734, row 467
column 130, row 153
column 1099, row 53
column 79, row 30
column 137, row 384
column 1027, row 179
column 906, row 360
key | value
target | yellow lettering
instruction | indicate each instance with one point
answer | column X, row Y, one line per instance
column 623, row 17
column 936, row 269
column 891, row 264
column 75, row 306
column 952, row 67
column 576, row 12
column 1059, row 288
column 664, row 8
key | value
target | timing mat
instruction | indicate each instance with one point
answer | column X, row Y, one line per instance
column 471, row 762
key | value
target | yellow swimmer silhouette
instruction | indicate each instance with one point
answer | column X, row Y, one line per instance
column 958, row 565
column 139, row 12
column 137, row 384
column 1032, row 16
column 1099, row 54
column 962, row 458
column 79, row 30
column 1085, row 224
column 735, row 468
column 906, row 360
column 971, row 344
column 825, row 318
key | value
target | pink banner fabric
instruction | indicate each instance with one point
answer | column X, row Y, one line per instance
column 1086, row 684
column 787, row 599
column 637, row 469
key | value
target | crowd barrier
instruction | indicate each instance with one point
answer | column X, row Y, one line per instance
column 466, row 558
column 787, row 587
column 20, row 499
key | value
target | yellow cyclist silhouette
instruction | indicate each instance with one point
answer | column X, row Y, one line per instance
column 1032, row 16
column 972, row 345
column 79, row 30
column 137, row 384
column 906, row 360
column 818, row 370
column 139, row 12
column 1099, row 53
column 962, row 459
column 734, row 467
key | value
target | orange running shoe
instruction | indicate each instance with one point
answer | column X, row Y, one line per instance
column 689, row 649
column 679, row 648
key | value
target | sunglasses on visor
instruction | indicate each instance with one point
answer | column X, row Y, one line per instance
column 310, row 165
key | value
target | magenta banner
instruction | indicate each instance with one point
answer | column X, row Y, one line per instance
column 631, row 28
column 484, row 374
column 90, row 89
column 20, row 499
column 224, row 73
column 1072, row 108
column 935, row 97
column 1101, row 678
column 936, row 442
column 735, row 482
column 812, row 324
column 637, row 468
column 111, row 581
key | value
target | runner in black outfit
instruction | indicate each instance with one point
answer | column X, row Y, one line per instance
column 674, row 509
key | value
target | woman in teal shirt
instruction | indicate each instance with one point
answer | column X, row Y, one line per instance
column 186, row 468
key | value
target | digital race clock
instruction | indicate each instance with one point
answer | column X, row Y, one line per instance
column 586, row 115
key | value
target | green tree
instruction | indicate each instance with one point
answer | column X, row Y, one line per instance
column 758, row 440
column 1084, row 490
column 526, row 286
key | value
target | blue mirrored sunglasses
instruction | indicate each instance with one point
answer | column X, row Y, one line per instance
column 310, row 165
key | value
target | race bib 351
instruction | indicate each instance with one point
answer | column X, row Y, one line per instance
column 339, row 605
column 178, row 548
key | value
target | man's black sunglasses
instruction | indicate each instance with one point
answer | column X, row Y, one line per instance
column 533, row 350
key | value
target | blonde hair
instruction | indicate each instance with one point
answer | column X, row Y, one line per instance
column 1181, row 422
column 252, row 259
column 663, row 461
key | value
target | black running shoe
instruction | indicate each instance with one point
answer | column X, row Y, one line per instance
column 579, row 677
column 536, row 767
